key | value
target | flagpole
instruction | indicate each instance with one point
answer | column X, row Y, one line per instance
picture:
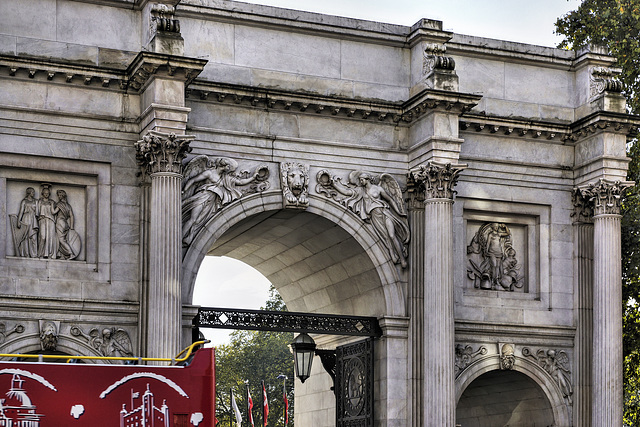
column 231, row 406
column 264, row 420
column 284, row 397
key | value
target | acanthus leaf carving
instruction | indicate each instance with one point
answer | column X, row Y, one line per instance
column 557, row 364
column 464, row 355
column 582, row 208
column 294, row 178
column 211, row 183
column 492, row 259
column 377, row 200
column 108, row 342
column 436, row 179
column 159, row 152
column 604, row 196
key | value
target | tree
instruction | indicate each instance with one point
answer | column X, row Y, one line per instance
column 255, row 356
column 616, row 25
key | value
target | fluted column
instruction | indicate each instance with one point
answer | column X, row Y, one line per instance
column 607, row 401
column 583, row 231
column 160, row 156
column 438, row 180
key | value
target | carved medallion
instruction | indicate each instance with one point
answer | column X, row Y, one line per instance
column 492, row 259
column 354, row 387
column 294, row 178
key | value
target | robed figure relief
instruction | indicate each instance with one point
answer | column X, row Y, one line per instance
column 44, row 228
column 210, row 184
column 492, row 259
column 377, row 200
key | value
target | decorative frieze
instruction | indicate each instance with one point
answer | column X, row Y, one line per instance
column 108, row 342
column 377, row 200
column 492, row 259
column 464, row 355
column 211, row 183
column 294, row 178
column 604, row 196
column 557, row 364
column 437, row 180
column 160, row 152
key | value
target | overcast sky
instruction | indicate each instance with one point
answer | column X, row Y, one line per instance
column 223, row 282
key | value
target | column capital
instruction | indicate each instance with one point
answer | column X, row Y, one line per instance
column 437, row 180
column 603, row 196
column 582, row 207
column 160, row 152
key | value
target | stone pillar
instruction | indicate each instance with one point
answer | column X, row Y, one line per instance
column 160, row 156
column 583, row 241
column 439, row 400
column 607, row 402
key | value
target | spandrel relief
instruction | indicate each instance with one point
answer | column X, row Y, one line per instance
column 211, row 183
column 492, row 259
column 45, row 225
column 377, row 200
column 109, row 342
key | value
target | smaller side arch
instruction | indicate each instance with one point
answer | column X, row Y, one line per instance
column 560, row 408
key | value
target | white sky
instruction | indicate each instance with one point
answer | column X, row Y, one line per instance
column 224, row 282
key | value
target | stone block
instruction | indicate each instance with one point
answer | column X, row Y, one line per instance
column 210, row 40
column 81, row 54
column 12, row 20
column 7, row 44
column 365, row 62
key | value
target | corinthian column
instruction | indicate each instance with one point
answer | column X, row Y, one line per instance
column 438, row 181
column 607, row 402
column 160, row 156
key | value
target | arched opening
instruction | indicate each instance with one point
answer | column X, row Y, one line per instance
column 504, row 398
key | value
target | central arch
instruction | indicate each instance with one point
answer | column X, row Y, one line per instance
column 322, row 259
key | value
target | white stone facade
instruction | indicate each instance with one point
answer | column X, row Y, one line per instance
column 480, row 148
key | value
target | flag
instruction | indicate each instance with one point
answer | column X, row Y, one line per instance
column 286, row 408
column 234, row 405
column 250, row 403
column 265, row 405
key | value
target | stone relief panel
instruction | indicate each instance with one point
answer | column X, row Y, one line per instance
column 47, row 223
column 377, row 200
column 211, row 183
column 109, row 342
column 557, row 364
column 294, row 178
column 492, row 262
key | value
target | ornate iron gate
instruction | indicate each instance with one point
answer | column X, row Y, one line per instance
column 354, row 384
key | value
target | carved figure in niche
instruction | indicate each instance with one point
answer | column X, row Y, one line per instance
column 294, row 178
column 24, row 226
column 48, row 336
column 492, row 260
column 376, row 200
column 109, row 342
column 47, row 237
column 69, row 243
column 556, row 363
column 210, row 184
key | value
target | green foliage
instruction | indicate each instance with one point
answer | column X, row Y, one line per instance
column 255, row 356
column 615, row 24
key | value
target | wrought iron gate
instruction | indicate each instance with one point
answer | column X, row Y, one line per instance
column 354, row 384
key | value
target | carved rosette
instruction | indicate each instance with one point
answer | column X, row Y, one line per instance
column 464, row 355
column 435, row 179
column 159, row 152
column 604, row 196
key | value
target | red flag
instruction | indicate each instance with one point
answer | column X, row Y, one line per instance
column 286, row 408
column 265, row 405
column 250, row 402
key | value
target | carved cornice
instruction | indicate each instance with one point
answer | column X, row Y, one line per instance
column 437, row 180
column 604, row 196
column 159, row 152
column 354, row 108
column 147, row 64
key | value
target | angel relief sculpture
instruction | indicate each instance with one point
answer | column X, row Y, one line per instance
column 377, row 200
column 208, row 185
column 492, row 259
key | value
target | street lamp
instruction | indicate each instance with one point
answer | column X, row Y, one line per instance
column 304, row 348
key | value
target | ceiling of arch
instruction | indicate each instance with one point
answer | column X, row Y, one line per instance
column 315, row 265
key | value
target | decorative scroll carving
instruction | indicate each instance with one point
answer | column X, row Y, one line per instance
column 109, row 342
column 556, row 363
column 434, row 59
column 436, row 180
column 465, row 355
column 44, row 228
column 209, row 184
column 5, row 333
column 294, row 178
column 603, row 79
column 160, row 152
column 492, row 259
column 582, row 208
column 507, row 356
column 49, row 334
column 604, row 196
column 162, row 19
column 377, row 200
